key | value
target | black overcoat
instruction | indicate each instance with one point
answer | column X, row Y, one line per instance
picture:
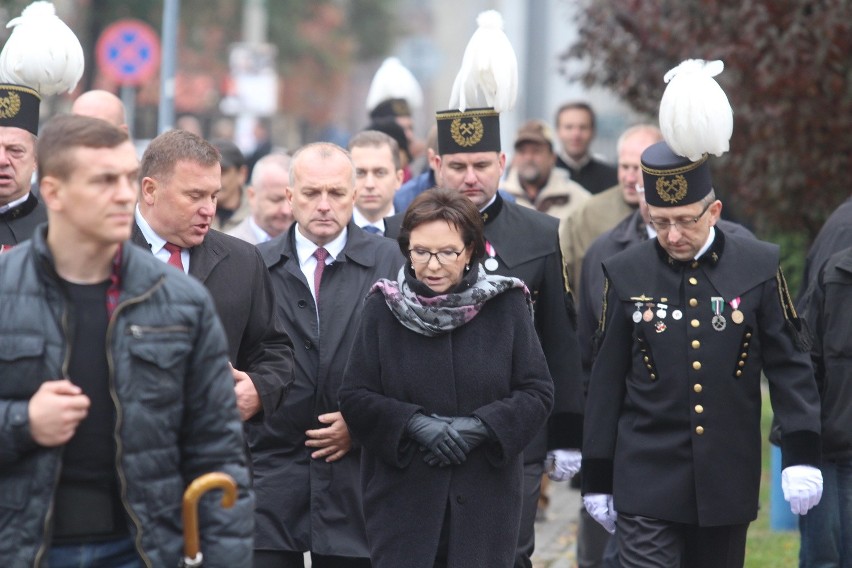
column 491, row 367
column 673, row 412
column 236, row 277
column 303, row 503
column 526, row 246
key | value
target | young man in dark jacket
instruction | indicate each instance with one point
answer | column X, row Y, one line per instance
column 827, row 530
column 115, row 390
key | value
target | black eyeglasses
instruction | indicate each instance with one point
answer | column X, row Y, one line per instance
column 682, row 224
column 423, row 256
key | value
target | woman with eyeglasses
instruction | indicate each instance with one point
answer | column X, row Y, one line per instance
column 445, row 386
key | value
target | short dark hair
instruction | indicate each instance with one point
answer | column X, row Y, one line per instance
column 448, row 205
column 174, row 146
column 376, row 139
column 63, row 133
column 575, row 105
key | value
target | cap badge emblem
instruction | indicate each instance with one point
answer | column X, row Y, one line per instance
column 10, row 105
column 467, row 132
column 672, row 190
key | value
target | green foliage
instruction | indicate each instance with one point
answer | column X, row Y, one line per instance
column 787, row 74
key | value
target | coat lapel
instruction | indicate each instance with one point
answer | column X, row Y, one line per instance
column 204, row 257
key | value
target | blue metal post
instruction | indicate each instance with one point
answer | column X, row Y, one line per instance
column 781, row 518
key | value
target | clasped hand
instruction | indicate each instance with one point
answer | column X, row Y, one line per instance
column 443, row 444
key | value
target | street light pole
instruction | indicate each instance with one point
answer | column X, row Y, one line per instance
column 171, row 16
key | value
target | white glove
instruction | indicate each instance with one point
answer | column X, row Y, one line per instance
column 562, row 465
column 802, row 486
column 600, row 507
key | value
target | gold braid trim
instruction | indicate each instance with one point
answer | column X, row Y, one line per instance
column 20, row 89
column 784, row 296
column 466, row 114
column 564, row 273
column 602, row 321
column 675, row 171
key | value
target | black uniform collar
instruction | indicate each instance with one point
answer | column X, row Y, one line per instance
column 21, row 210
column 710, row 257
column 490, row 213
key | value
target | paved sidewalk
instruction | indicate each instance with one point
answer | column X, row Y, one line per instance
column 556, row 536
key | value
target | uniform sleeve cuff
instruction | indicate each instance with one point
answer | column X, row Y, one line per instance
column 564, row 430
column 597, row 476
column 801, row 448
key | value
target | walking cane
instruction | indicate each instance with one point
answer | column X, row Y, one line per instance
column 201, row 485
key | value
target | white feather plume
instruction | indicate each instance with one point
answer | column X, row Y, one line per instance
column 695, row 115
column 42, row 52
column 394, row 81
column 489, row 72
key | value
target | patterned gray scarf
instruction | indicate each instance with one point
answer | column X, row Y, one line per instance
column 440, row 314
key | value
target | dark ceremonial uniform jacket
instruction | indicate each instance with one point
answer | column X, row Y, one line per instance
column 305, row 503
column 18, row 223
column 526, row 244
column 826, row 306
column 672, row 425
column 629, row 231
column 234, row 274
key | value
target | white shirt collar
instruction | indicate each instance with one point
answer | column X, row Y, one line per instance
column 305, row 247
column 707, row 244
column 156, row 241
column 490, row 201
column 19, row 201
column 362, row 221
column 260, row 235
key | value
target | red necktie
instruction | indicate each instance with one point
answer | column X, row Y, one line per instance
column 174, row 255
column 320, row 254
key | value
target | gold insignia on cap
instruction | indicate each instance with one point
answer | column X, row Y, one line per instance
column 467, row 131
column 672, row 190
column 400, row 107
column 10, row 105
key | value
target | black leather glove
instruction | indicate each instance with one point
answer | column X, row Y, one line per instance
column 471, row 429
column 437, row 436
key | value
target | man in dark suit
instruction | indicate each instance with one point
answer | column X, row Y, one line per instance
column 522, row 243
column 307, row 475
column 180, row 180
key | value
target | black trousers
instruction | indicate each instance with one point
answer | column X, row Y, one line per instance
column 287, row 559
column 644, row 542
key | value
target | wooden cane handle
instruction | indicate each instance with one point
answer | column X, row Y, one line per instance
column 193, row 493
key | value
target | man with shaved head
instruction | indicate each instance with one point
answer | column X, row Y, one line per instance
column 101, row 104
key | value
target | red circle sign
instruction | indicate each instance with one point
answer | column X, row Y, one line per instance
column 128, row 52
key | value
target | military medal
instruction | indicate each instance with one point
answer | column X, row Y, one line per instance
column 637, row 315
column 677, row 314
column 736, row 316
column 649, row 313
column 719, row 323
column 660, row 327
column 491, row 263
column 661, row 312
